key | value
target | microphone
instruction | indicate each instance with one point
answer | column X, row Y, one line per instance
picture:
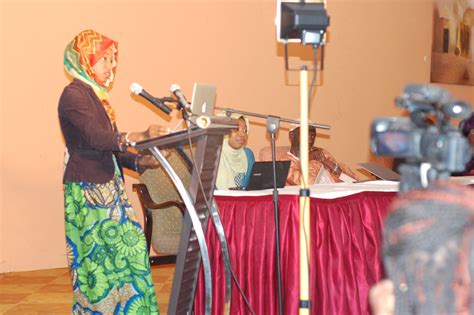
column 176, row 90
column 137, row 89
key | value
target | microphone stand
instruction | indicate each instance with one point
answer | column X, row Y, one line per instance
column 286, row 120
column 273, row 124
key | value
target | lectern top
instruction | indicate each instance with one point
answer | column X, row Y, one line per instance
column 181, row 137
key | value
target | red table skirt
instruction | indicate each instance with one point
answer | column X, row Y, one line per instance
column 345, row 253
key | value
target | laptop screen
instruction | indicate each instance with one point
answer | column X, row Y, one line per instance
column 261, row 176
column 380, row 171
column 204, row 98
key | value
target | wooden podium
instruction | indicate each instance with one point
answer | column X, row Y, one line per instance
column 198, row 198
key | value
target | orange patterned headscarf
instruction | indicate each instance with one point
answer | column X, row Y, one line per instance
column 80, row 56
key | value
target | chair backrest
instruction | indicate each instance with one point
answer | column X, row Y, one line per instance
column 167, row 222
column 265, row 153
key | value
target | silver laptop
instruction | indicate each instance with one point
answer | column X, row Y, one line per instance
column 204, row 99
column 380, row 171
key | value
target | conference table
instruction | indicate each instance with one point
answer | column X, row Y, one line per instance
column 346, row 223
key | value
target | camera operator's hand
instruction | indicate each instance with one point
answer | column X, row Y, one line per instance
column 382, row 298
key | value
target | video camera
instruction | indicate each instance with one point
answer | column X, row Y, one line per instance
column 430, row 145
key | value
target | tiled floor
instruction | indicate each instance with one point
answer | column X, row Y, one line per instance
column 49, row 291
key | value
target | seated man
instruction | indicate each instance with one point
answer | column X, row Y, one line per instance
column 322, row 168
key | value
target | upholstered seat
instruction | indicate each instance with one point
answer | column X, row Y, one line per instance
column 163, row 208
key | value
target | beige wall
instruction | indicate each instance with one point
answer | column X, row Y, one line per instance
column 375, row 48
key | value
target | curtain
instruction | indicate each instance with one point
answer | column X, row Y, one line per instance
column 345, row 253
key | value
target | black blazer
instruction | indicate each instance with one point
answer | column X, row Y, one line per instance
column 90, row 137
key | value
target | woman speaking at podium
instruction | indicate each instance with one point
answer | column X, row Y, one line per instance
column 106, row 247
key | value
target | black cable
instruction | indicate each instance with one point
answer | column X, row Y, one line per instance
column 247, row 303
column 315, row 71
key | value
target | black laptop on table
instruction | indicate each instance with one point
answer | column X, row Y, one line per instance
column 261, row 176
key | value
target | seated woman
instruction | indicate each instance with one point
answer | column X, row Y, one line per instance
column 322, row 168
column 236, row 160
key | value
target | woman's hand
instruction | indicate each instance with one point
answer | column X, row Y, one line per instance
column 156, row 131
column 152, row 132
column 147, row 161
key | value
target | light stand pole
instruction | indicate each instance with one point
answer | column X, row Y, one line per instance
column 306, row 23
column 304, row 199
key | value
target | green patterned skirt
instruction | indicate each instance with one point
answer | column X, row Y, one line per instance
column 107, row 252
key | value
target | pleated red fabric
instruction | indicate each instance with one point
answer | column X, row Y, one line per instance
column 345, row 253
